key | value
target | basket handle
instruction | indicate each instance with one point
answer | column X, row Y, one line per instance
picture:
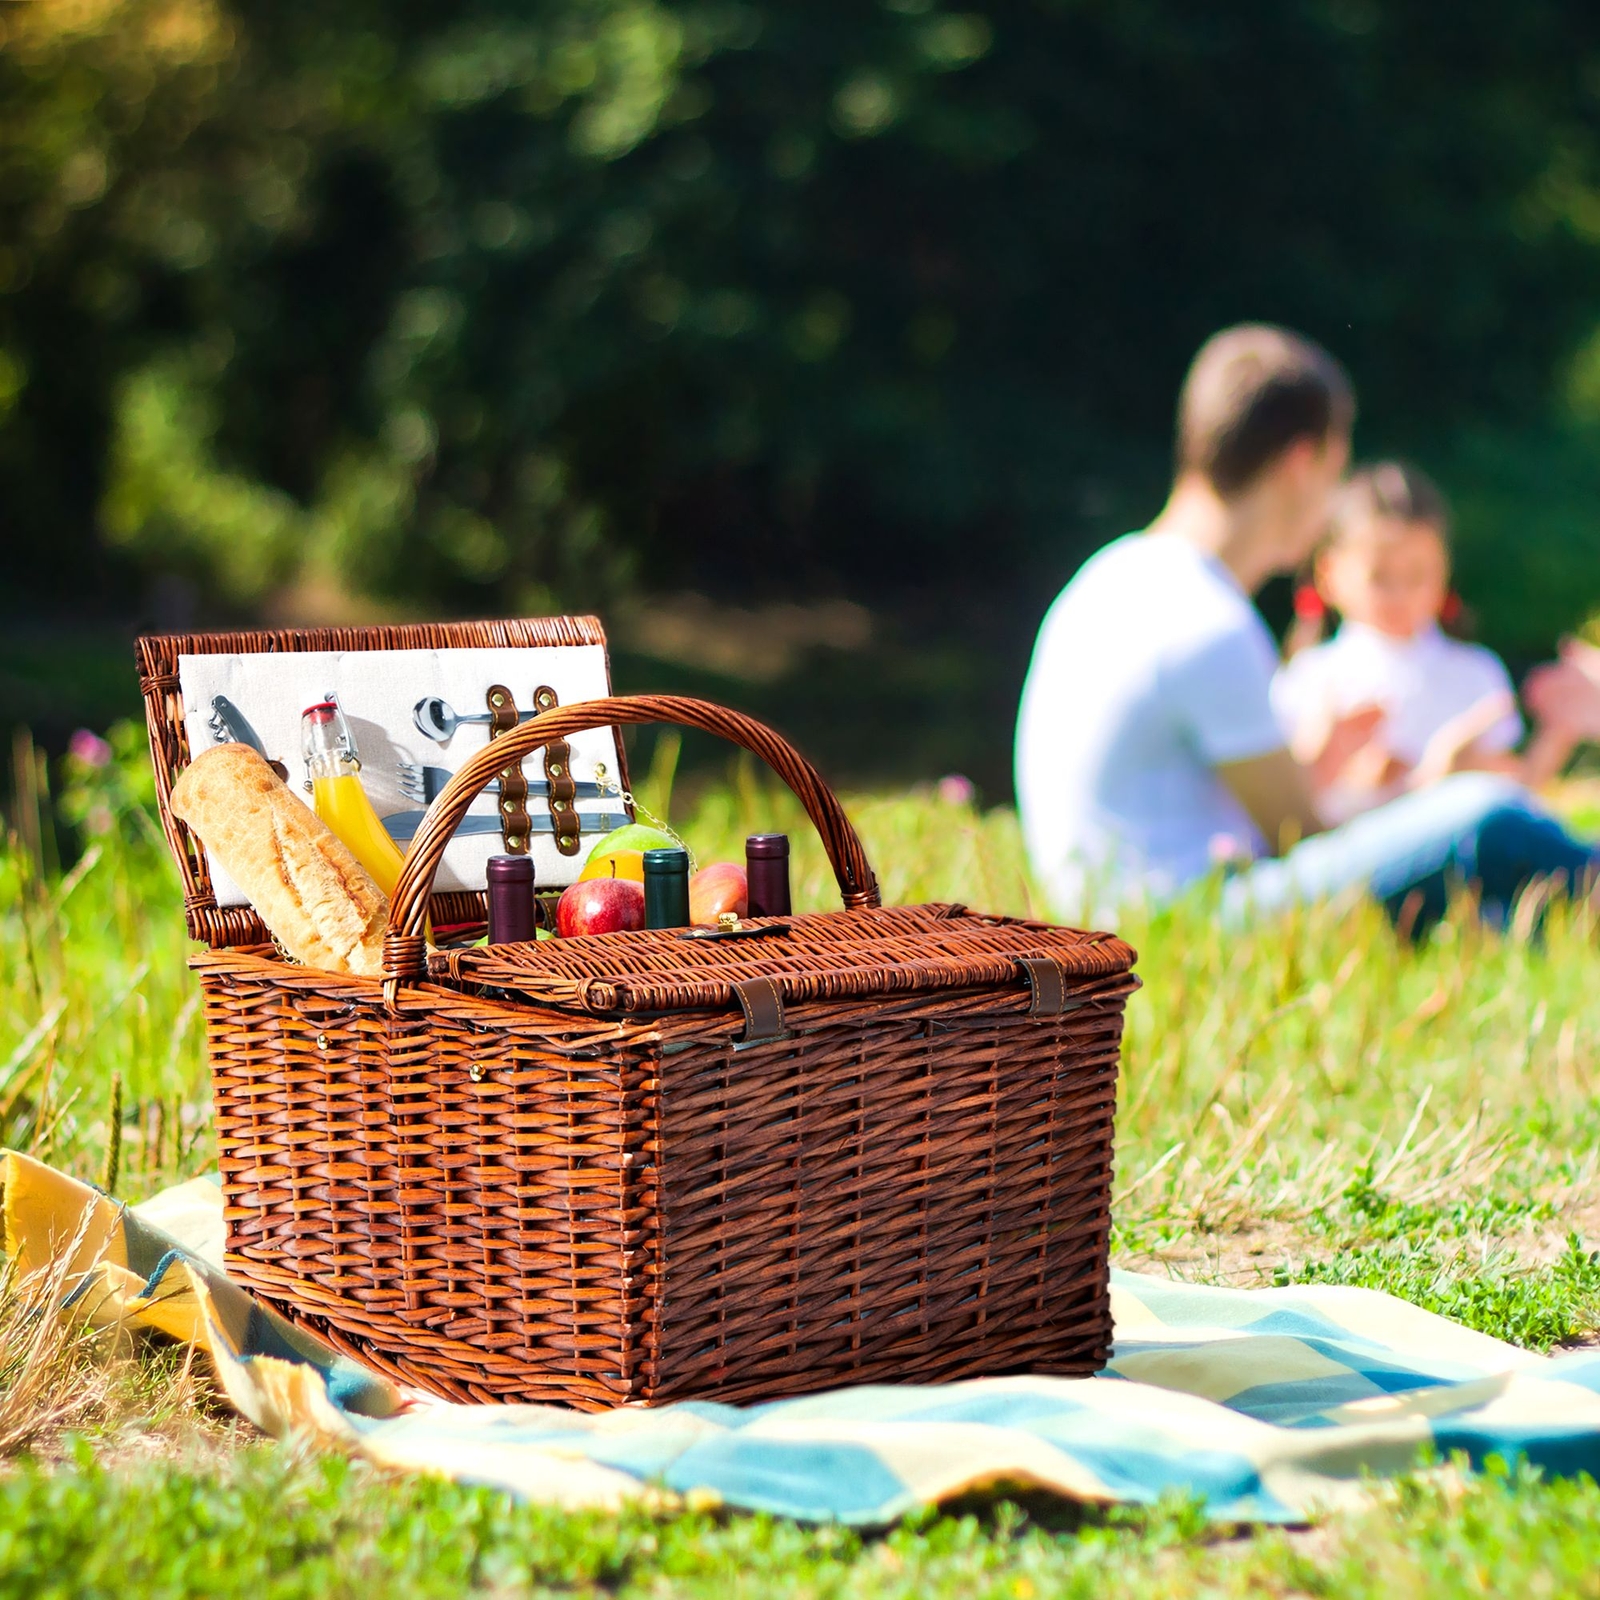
column 404, row 951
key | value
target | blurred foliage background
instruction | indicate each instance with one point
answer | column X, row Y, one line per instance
column 813, row 345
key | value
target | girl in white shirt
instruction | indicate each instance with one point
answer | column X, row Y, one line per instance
column 1439, row 705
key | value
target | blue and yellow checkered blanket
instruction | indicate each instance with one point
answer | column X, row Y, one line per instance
column 1266, row 1404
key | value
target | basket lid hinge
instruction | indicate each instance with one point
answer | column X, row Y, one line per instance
column 1048, row 985
column 762, row 1004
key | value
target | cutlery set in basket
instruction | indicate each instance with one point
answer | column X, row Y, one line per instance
column 874, row 1144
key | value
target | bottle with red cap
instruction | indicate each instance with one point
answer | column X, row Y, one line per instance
column 338, row 798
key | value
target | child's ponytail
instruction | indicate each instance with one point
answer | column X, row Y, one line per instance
column 1457, row 618
column 1310, row 623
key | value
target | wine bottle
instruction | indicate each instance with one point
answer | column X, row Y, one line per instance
column 666, row 888
column 766, row 860
column 511, row 912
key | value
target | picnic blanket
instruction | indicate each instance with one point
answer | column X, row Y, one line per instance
column 1266, row 1404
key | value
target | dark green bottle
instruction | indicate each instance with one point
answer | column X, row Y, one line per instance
column 666, row 888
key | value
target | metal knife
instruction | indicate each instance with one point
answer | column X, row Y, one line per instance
column 430, row 781
column 402, row 826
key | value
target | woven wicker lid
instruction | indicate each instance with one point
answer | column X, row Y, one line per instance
column 834, row 955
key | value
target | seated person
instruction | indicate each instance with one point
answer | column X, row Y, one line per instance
column 1567, row 690
column 1447, row 706
column 1147, row 748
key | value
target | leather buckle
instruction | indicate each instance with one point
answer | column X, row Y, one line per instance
column 762, row 1004
column 1047, row 984
column 562, row 791
column 514, row 829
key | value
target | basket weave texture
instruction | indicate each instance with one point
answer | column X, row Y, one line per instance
column 585, row 1171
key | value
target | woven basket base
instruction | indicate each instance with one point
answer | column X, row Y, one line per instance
column 455, row 1370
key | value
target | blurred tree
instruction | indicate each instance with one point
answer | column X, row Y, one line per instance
column 101, row 109
column 506, row 305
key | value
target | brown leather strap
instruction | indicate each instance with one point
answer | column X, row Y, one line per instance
column 562, row 791
column 762, row 1004
column 514, row 828
column 1049, row 986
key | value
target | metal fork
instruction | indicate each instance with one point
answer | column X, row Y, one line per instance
column 426, row 784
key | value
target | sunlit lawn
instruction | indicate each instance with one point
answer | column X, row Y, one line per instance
column 1301, row 1100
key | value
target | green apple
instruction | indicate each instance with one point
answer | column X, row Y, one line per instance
column 621, row 853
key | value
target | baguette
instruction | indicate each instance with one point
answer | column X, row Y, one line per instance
column 314, row 896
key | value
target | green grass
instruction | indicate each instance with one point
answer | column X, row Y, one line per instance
column 94, row 986
column 271, row 1524
column 1304, row 1101
column 1534, row 1306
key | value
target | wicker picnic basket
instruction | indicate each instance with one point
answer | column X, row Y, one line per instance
column 865, row 1145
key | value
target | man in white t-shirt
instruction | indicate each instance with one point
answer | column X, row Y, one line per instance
column 1147, row 749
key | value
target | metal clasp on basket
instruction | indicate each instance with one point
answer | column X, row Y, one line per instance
column 730, row 927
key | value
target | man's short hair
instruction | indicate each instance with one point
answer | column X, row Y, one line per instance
column 1251, row 393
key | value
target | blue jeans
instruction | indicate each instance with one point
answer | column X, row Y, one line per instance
column 1473, row 830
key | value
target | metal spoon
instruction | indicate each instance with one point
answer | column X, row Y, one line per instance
column 437, row 721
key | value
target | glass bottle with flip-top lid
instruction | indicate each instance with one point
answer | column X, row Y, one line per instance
column 337, row 796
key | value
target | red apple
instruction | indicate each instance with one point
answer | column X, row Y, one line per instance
column 715, row 889
column 600, row 905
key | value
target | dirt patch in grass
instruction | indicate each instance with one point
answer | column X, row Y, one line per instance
column 1245, row 1258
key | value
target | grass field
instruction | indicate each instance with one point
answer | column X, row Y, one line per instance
column 1305, row 1100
